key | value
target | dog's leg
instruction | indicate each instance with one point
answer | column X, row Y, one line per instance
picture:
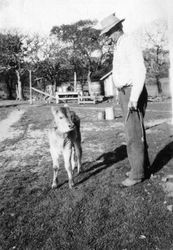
column 78, row 150
column 73, row 159
column 55, row 176
column 67, row 160
column 55, row 159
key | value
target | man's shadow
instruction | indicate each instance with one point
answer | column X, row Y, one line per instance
column 162, row 158
column 102, row 162
column 106, row 160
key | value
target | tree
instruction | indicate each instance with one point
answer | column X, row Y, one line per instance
column 46, row 57
column 80, row 39
column 156, row 52
column 11, row 59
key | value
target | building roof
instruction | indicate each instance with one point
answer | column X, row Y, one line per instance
column 106, row 76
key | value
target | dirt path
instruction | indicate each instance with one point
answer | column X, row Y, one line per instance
column 5, row 125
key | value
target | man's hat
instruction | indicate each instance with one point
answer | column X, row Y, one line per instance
column 109, row 22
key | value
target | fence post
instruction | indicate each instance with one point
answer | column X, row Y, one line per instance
column 30, row 87
column 75, row 81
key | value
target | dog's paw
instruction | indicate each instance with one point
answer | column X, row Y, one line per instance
column 54, row 185
column 79, row 171
column 71, row 184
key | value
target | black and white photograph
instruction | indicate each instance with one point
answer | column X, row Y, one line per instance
column 86, row 125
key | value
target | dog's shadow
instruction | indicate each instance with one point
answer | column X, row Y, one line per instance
column 104, row 161
column 162, row 158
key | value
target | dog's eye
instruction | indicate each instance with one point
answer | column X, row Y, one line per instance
column 60, row 117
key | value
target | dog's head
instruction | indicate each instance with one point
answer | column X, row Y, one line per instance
column 63, row 119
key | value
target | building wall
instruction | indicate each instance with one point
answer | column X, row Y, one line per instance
column 108, row 86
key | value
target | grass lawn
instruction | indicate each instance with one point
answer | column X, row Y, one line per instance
column 98, row 213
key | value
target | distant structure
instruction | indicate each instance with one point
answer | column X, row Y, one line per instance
column 108, row 84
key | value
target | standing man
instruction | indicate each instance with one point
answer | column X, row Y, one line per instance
column 128, row 75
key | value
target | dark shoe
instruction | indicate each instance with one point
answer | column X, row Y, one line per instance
column 128, row 182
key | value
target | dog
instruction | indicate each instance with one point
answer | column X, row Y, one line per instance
column 65, row 139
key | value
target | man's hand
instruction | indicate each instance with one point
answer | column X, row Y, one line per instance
column 132, row 105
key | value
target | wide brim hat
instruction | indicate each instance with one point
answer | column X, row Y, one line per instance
column 109, row 22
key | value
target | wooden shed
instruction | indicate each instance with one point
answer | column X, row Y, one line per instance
column 108, row 84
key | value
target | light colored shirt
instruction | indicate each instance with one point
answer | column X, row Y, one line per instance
column 128, row 66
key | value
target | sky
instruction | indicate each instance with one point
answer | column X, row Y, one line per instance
column 41, row 15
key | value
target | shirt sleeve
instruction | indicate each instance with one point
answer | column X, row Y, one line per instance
column 136, row 62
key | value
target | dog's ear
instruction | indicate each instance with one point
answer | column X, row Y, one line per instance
column 66, row 106
column 53, row 110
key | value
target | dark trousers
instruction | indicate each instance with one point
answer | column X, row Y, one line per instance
column 135, row 134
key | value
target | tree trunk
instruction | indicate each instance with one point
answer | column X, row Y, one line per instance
column 9, row 84
column 89, row 81
column 9, row 89
column 54, row 85
column 19, row 95
column 159, row 86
